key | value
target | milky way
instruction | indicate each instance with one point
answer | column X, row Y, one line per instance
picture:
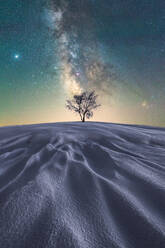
column 73, row 25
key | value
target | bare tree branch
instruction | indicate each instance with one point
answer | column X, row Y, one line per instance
column 83, row 104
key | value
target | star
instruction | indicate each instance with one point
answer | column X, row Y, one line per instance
column 16, row 56
column 145, row 105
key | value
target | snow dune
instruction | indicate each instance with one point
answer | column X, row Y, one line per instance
column 82, row 185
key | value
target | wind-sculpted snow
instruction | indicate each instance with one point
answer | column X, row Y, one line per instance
column 82, row 185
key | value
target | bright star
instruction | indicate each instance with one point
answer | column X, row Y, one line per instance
column 16, row 56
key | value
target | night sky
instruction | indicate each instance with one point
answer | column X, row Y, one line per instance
column 50, row 50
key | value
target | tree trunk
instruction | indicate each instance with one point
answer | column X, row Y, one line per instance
column 83, row 119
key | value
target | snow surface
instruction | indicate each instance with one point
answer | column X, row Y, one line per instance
column 82, row 185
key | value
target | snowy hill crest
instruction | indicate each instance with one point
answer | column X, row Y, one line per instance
column 87, row 185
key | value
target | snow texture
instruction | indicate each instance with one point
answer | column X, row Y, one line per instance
column 82, row 185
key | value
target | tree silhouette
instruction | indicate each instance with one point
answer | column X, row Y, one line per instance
column 83, row 104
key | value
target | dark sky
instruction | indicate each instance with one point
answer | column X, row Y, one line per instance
column 52, row 49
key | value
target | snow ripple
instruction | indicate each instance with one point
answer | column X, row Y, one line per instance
column 82, row 185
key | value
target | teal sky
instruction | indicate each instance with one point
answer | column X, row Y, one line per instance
column 50, row 50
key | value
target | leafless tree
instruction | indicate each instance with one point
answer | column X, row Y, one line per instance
column 83, row 104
